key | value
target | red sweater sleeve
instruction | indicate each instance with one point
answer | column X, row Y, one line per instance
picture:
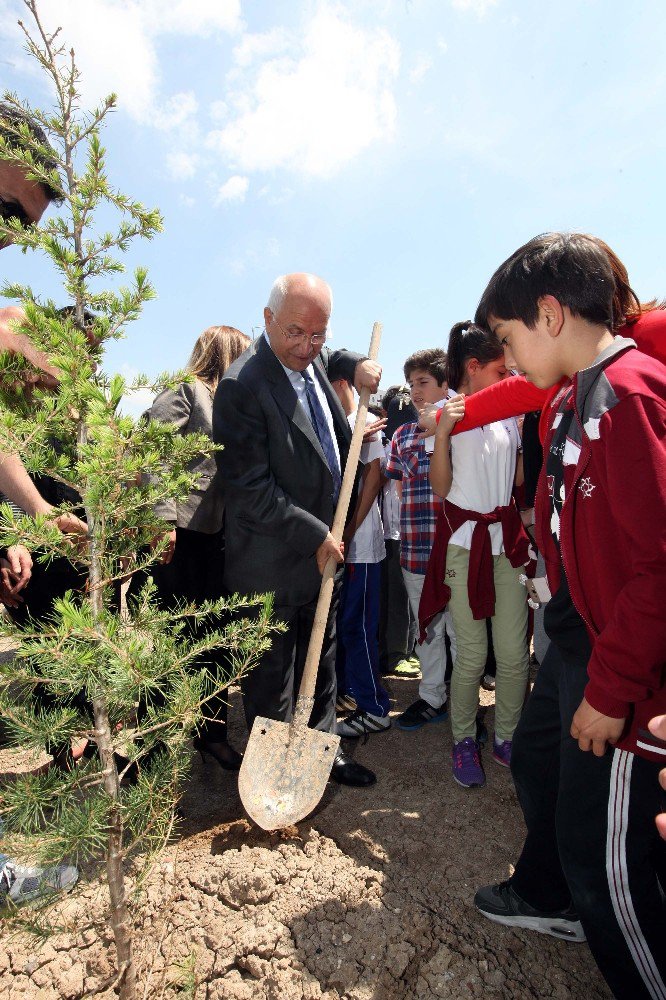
column 627, row 660
column 508, row 398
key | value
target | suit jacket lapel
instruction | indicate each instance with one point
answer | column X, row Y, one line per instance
column 285, row 395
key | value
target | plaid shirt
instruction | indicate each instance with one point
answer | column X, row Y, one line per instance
column 409, row 462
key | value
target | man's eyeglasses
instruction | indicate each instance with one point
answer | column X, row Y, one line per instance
column 13, row 210
column 314, row 340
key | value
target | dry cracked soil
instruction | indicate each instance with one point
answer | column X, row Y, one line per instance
column 371, row 898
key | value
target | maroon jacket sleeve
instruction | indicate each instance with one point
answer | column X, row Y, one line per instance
column 509, row 398
column 627, row 662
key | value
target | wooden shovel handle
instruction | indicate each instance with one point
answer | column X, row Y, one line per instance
column 309, row 679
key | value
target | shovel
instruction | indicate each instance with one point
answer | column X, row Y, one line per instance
column 286, row 764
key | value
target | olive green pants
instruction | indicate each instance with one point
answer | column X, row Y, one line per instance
column 509, row 625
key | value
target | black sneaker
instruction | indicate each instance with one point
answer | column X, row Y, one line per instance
column 419, row 714
column 361, row 723
column 503, row 905
column 345, row 703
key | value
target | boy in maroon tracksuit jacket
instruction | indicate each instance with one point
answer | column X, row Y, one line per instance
column 585, row 763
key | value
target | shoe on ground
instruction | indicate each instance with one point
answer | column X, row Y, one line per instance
column 347, row 772
column 502, row 751
column 20, row 883
column 467, row 769
column 345, row 703
column 407, row 668
column 360, row 723
column 419, row 714
column 488, row 682
column 503, row 905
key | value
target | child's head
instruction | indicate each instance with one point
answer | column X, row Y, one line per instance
column 425, row 372
column 343, row 389
column 476, row 358
column 558, row 283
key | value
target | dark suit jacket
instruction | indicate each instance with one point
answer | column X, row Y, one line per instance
column 277, row 487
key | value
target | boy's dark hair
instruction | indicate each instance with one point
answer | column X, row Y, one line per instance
column 431, row 360
column 467, row 340
column 375, row 410
column 390, row 394
column 12, row 119
column 571, row 267
column 337, row 370
column 400, row 411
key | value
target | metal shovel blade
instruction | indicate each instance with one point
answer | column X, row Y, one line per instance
column 284, row 771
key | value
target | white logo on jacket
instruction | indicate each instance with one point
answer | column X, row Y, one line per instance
column 586, row 486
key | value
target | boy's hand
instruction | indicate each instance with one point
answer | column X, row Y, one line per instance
column 452, row 412
column 594, row 730
column 428, row 420
column 657, row 727
column 370, row 432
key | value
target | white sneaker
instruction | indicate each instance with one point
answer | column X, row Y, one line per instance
column 361, row 723
column 21, row 883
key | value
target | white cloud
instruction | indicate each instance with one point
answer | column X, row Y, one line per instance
column 193, row 17
column 442, row 44
column 181, row 165
column 421, row 68
column 259, row 255
column 478, row 7
column 234, row 189
column 115, row 41
column 175, row 112
column 310, row 101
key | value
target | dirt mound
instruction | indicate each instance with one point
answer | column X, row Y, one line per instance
column 371, row 899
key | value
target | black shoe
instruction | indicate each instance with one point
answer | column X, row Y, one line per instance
column 502, row 904
column 225, row 755
column 347, row 772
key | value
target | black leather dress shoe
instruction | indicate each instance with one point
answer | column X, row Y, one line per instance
column 347, row 772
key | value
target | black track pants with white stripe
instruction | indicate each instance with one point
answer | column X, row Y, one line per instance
column 591, row 835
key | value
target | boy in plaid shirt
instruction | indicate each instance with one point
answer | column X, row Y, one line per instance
column 408, row 462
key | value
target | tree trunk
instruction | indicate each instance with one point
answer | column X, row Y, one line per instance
column 119, row 917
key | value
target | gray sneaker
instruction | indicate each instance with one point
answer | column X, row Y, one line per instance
column 502, row 904
column 20, row 883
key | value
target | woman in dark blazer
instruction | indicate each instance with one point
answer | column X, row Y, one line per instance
column 195, row 568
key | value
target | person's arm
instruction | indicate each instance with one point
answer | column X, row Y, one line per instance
column 239, row 424
column 509, row 398
column 627, row 659
column 16, row 484
column 441, row 470
column 357, row 369
column 11, row 317
column 370, row 484
column 172, row 406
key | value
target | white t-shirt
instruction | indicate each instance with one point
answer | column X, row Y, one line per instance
column 390, row 502
column 484, row 468
column 367, row 545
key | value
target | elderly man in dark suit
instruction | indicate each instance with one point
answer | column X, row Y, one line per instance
column 286, row 439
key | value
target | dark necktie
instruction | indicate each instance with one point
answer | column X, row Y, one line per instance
column 321, row 429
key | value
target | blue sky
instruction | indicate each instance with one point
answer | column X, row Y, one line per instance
column 401, row 149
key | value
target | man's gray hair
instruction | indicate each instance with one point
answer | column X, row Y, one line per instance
column 281, row 287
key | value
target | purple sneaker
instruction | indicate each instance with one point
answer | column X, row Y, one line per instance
column 502, row 751
column 467, row 770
